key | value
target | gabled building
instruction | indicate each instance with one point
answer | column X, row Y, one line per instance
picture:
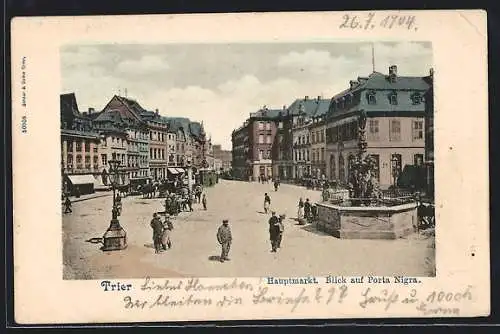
column 124, row 137
column 192, row 146
column 395, row 108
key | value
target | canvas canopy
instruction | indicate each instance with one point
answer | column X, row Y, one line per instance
column 81, row 179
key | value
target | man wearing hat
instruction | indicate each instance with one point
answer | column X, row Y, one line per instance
column 157, row 227
column 275, row 232
column 224, row 238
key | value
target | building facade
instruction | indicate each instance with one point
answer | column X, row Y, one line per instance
column 395, row 136
column 223, row 156
column 171, row 147
column 124, row 137
column 283, row 146
column 240, row 152
column 317, row 135
column 301, row 147
column 80, row 165
column 158, row 154
column 262, row 132
column 429, row 135
column 253, row 146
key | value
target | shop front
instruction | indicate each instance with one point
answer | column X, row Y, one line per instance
column 80, row 184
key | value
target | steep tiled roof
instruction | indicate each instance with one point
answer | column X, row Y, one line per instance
column 266, row 113
column 69, row 105
column 176, row 123
column 195, row 128
column 131, row 104
column 111, row 116
column 129, row 110
column 380, row 84
column 309, row 106
column 322, row 106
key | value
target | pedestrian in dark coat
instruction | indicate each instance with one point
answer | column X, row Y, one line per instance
column 204, row 201
column 275, row 232
column 157, row 227
column 67, row 204
column 190, row 201
column 307, row 209
column 224, row 237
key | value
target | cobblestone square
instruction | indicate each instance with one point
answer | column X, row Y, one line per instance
column 304, row 251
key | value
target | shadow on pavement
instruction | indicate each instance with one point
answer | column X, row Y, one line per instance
column 312, row 229
column 149, row 246
column 214, row 258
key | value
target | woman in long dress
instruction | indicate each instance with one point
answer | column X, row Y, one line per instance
column 300, row 212
column 267, row 202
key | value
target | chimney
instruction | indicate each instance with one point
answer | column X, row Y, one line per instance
column 284, row 107
column 353, row 83
column 157, row 112
column 319, row 98
column 431, row 72
column 91, row 110
column 306, row 98
column 393, row 72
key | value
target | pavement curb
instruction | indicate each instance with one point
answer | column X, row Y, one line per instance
column 88, row 198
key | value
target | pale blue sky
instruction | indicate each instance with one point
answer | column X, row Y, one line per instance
column 221, row 83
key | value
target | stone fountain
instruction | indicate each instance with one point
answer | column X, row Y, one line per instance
column 360, row 212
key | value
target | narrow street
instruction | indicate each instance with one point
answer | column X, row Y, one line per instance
column 305, row 251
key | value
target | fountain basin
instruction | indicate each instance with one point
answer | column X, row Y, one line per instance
column 367, row 222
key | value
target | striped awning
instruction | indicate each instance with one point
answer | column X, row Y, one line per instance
column 180, row 170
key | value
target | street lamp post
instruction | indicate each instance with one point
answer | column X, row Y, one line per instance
column 115, row 237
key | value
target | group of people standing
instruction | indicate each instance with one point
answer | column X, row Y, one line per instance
column 161, row 233
column 174, row 204
column 306, row 211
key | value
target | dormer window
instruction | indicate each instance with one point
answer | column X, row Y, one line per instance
column 416, row 98
column 393, row 98
column 371, row 97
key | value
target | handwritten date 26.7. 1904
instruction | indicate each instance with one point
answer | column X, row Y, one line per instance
column 371, row 21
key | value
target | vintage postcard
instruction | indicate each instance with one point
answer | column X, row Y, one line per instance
column 250, row 166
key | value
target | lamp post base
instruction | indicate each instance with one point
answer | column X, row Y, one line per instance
column 115, row 237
